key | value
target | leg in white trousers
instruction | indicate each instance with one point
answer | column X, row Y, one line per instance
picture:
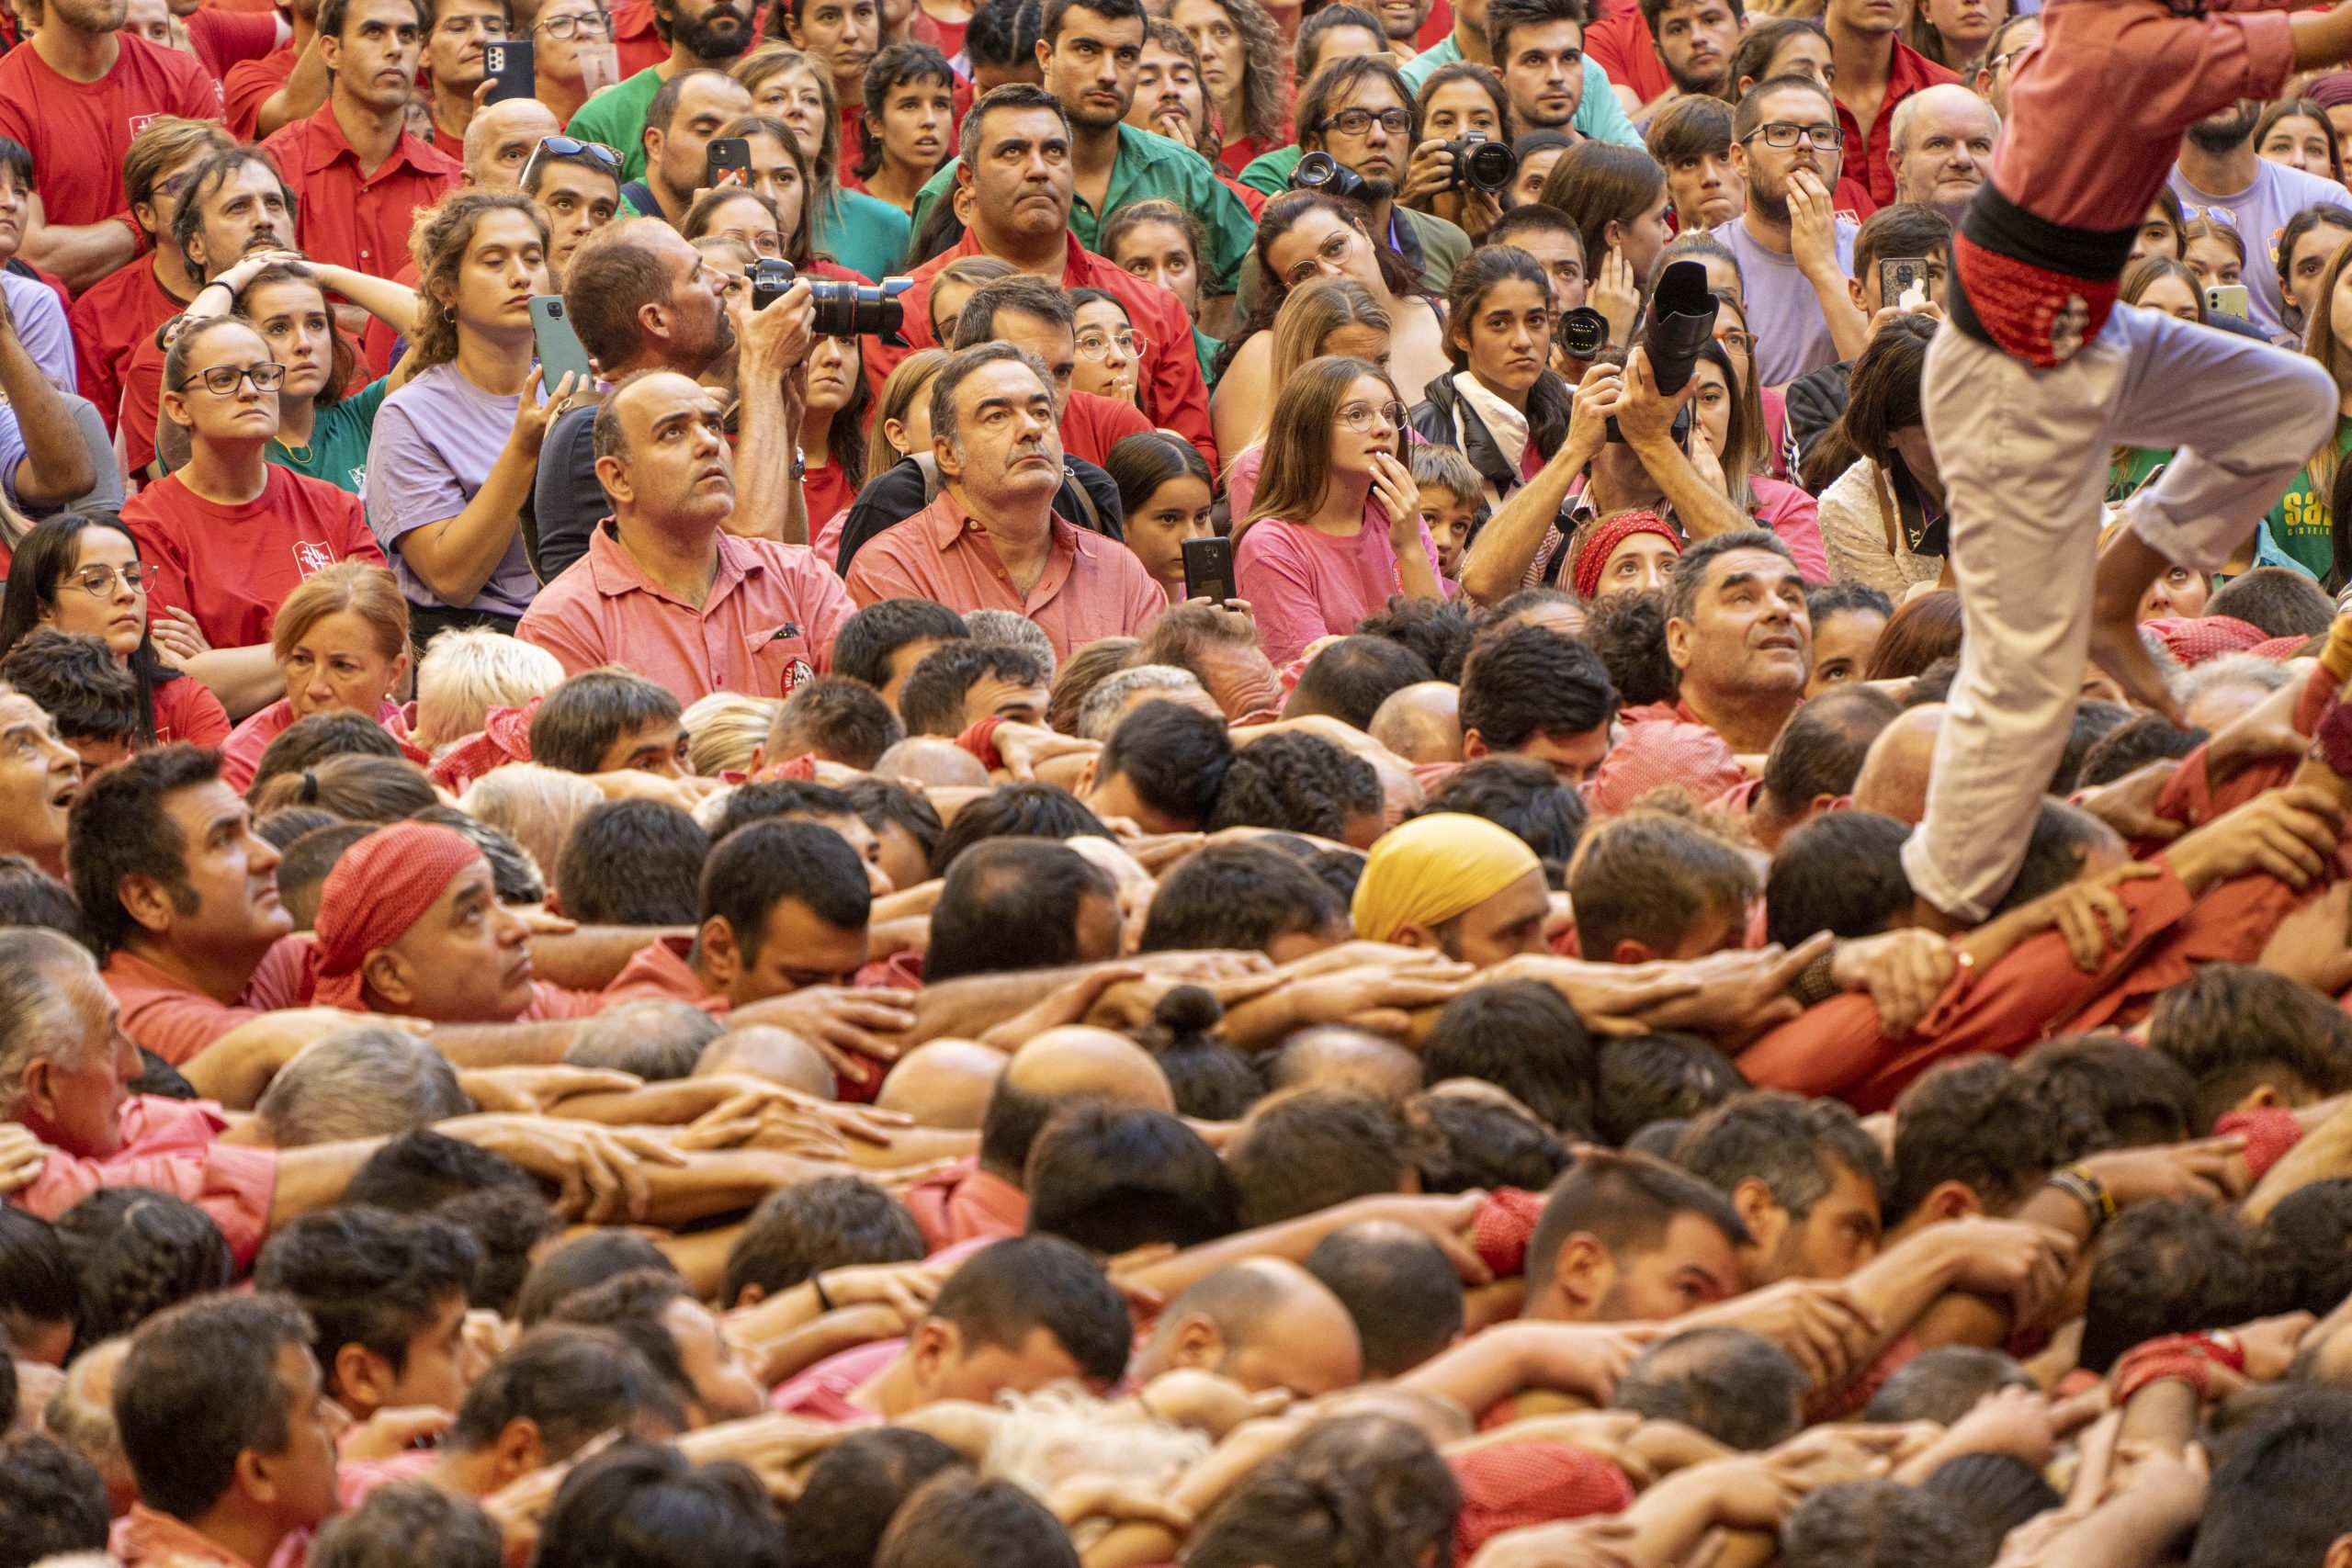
column 2023, row 454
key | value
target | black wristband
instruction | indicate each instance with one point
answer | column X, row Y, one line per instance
column 816, row 1283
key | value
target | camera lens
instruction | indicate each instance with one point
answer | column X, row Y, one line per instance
column 1490, row 166
column 1583, row 332
column 859, row 310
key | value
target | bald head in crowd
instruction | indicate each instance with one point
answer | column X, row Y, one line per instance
column 1349, row 1058
column 930, row 762
column 1894, row 779
column 1422, row 722
column 944, row 1083
column 500, row 139
column 764, row 1050
column 1058, row 1067
column 1266, row 1324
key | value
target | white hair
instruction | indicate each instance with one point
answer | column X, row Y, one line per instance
column 535, row 806
column 1010, row 629
column 1108, row 703
column 48, row 987
column 1898, row 129
column 2231, row 670
column 1046, row 1437
column 466, row 671
column 724, row 730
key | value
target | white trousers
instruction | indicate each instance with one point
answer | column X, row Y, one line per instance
column 2024, row 459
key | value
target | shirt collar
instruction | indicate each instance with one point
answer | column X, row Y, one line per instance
column 326, row 143
column 615, row 573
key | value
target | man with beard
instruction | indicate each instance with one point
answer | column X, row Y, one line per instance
column 453, row 61
column 703, row 34
column 74, row 95
column 1091, row 50
column 1942, row 141
column 1667, row 49
column 642, row 300
column 679, row 123
column 359, row 178
column 1794, row 253
column 1598, row 114
column 1360, row 111
column 2218, row 176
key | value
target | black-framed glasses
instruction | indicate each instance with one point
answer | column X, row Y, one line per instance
column 221, row 379
column 97, row 582
column 1785, row 134
column 1355, row 122
column 594, row 25
column 1358, row 417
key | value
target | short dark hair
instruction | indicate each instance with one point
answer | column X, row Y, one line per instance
column 1622, row 1200
column 609, row 280
column 37, row 1281
column 1011, row 903
column 1304, row 1151
column 932, row 701
column 1367, row 1490
column 632, row 862
column 1650, row 877
column 1113, row 1178
column 2236, row 1027
column 31, row 897
column 2119, row 1094
column 862, row 649
column 367, row 1277
column 1974, row 1120
column 757, row 866
column 1471, row 1140
column 1523, row 795
column 1012, row 95
column 2174, row 1266
column 2149, row 738
column 1020, row 294
column 200, row 1387
column 1237, row 896
column 582, row 1264
column 2309, row 1233
column 132, row 1252
column 646, row 1506
column 827, row 1221
column 1627, row 632
column 1732, row 1385
column 187, row 218
column 119, row 828
column 1353, row 676
column 1944, row 1384
column 1819, row 752
column 573, row 1382
column 1439, row 632
column 955, row 1520
column 1865, row 1524
column 1786, row 1141
column 579, row 721
column 767, row 800
column 2278, row 1496
column 1691, row 568
column 1523, row 1036
column 2278, row 600
column 1659, row 1077
column 422, row 1169
column 1900, row 228
column 411, row 1521
column 1691, row 125
column 1174, row 757
column 1298, row 783
column 1330, row 18
column 1507, row 16
column 308, row 744
column 836, row 719
column 1010, row 1288
column 1027, row 809
column 53, row 1501
column 1400, row 1288
column 855, row 1487
column 1748, row 113
column 2062, row 838
column 75, row 679
column 1841, row 872
column 1521, row 682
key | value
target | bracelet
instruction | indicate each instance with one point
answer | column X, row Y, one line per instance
column 2077, row 1182
column 1815, row 983
column 816, row 1283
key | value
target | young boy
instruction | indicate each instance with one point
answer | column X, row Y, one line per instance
column 1453, row 502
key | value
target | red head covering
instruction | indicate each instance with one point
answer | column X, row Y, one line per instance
column 1508, row 1487
column 2195, row 639
column 1606, row 536
column 381, row 886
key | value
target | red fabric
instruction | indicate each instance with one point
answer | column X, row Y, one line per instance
column 1624, row 46
column 963, row 1202
column 1503, row 1226
column 1612, row 534
column 944, row 36
column 1654, row 754
column 2228, row 925
column 1174, row 394
column 1092, row 424
column 112, row 317
column 2190, row 798
column 171, row 1146
column 505, row 736
column 1507, row 1486
column 232, row 567
column 1908, row 73
column 225, row 39
column 660, row 972
column 78, row 131
column 640, row 47
column 825, row 492
column 186, row 710
column 142, row 392
column 241, row 754
column 381, row 886
column 2278, row 648
column 349, row 218
column 249, row 85
column 164, row 1014
column 823, row 1392
column 2195, row 639
column 2268, row 1135
column 146, row 1535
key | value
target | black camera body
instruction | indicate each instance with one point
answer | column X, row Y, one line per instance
column 841, row 309
column 1481, row 164
column 1320, row 171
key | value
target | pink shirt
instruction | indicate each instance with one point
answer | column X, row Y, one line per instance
column 1302, row 583
column 172, row 1146
column 1093, row 587
column 164, row 1014
column 240, row 755
column 767, row 623
column 1794, row 518
column 965, row 1204
column 823, row 1392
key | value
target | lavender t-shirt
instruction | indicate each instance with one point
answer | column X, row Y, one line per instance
column 1792, row 336
column 435, row 444
column 40, row 327
column 2259, row 214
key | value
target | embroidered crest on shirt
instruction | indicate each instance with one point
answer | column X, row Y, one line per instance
column 311, row 557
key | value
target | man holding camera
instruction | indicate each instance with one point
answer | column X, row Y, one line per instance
column 671, row 315
column 1359, row 111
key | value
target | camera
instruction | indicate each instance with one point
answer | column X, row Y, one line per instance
column 1481, row 164
column 1320, row 171
column 1681, row 323
column 843, row 309
column 1582, row 333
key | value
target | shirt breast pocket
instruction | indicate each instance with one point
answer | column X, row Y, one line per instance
column 780, row 660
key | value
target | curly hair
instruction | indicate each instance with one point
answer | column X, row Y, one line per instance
column 437, row 244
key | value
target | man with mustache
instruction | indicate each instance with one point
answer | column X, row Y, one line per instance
column 703, row 35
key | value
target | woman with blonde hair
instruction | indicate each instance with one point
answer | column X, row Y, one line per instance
column 863, row 233
column 1325, row 315
column 2303, row 530
column 466, row 672
column 725, row 731
column 1335, row 527
column 456, row 451
column 341, row 645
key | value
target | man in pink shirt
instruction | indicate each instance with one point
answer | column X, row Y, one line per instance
column 991, row 540
column 664, row 589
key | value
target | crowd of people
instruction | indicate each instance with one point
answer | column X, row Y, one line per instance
column 902, row 784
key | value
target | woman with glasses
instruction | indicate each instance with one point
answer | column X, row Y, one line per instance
column 862, row 233
column 740, row 214
column 81, row 574
column 1767, row 407
column 1502, row 405
column 572, row 54
column 1110, row 350
column 229, row 533
column 1335, row 526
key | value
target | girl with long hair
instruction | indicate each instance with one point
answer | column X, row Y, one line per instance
column 1619, row 200
column 1164, row 491
column 2153, row 282
column 2305, row 529
column 1460, row 100
column 1328, row 315
column 1878, row 516
column 2306, row 245
column 1502, row 405
column 1160, row 240
column 1335, row 527
column 2296, row 133
column 1242, row 70
column 833, row 433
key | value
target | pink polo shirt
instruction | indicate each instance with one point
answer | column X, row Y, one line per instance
column 166, row 1015
column 1093, row 587
column 172, row 1146
column 767, row 623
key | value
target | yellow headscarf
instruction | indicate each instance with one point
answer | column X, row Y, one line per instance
column 1434, row 868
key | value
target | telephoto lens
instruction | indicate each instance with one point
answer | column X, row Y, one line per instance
column 1481, row 164
column 1583, row 332
column 841, row 308
column 1320, row 171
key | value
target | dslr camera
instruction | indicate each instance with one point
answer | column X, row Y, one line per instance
column 1681, row 323
column 1320, row 171
column 843, row 309
column 1481, row 164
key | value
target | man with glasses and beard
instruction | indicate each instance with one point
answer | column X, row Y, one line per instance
column 1794, row 252
column 703, row 35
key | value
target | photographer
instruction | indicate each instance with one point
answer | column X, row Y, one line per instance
column 1360, row 111
column 1460, row 102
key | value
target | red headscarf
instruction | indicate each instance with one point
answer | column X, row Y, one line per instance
column 1606, row 536
column 380, row 887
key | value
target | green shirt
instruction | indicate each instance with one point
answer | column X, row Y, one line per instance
column 1149, row 167
column 1600, row 114
column 863, row 233
column 616, row 117
column 337, row 452
column 1207, row 347
column 2300, row 527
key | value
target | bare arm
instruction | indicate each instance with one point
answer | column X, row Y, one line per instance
column 246, row 680
column 776, row 341
column 457, row 555
column 591, row 957
column 80, row 254
column 305, row 90
column 1506, row 547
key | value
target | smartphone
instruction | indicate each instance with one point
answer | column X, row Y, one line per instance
column 2228, row 300
column 1903, row 281
column 726, row 162
column 1208, row 570
column 560, row 350
column 507, row 63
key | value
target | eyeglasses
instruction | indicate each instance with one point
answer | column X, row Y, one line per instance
column 221, row 379
column 593, row 25
column 97, row 582
column 569, row 147
column 1359, row 417
column 1736, row 342
column 1784, row 134
column 1355, row 122
column 1097, row 345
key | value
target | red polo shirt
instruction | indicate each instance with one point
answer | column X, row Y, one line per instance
column 1624, row 47
column 113, row 317
column 633, row 35
column 78, row 131
column 1866, row 162
column 230, row 567
column 1174, row 395
column 349, row 218
column 249, row 85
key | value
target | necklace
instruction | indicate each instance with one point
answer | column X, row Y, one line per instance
column 299, row 454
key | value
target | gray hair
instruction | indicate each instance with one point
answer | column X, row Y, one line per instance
column 2231, row 670
column 1898, row 129
column 967, row 362
column 46, row 981
column 725, row 729
column 1010, row 629
column 86, row 1424
column 1108, row 703
column 367, row 1081
column 657, row 1040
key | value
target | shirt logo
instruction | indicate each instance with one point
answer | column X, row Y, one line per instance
column 310, row 556
column 139, row 122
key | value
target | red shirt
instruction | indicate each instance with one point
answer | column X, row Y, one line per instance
column 230, row 567
column 186, row 710
column 78, row 131
column 1092, row 425
column 248, row 85
column 226, row 38
column 1624, row 47
column 1867, row 161
column 963, row 1203
column 1174, row 392
column 349, row 218
column 109, row 322
column 166, row 1015
column 172, row 1146
column 634, row 35
column 143, row 400
column 240, row 755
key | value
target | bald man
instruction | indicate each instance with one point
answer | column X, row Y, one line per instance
column 944, row 1083
column 764, row 1050
column 1941, row 143
column 500, row 141
column 982, row 1196
column 931, row 761
column 1894, row 779
column 1422, row 723
column 1337, row 1054
column 1265, row 1323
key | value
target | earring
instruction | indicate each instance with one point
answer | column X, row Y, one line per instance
column 449, row 314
